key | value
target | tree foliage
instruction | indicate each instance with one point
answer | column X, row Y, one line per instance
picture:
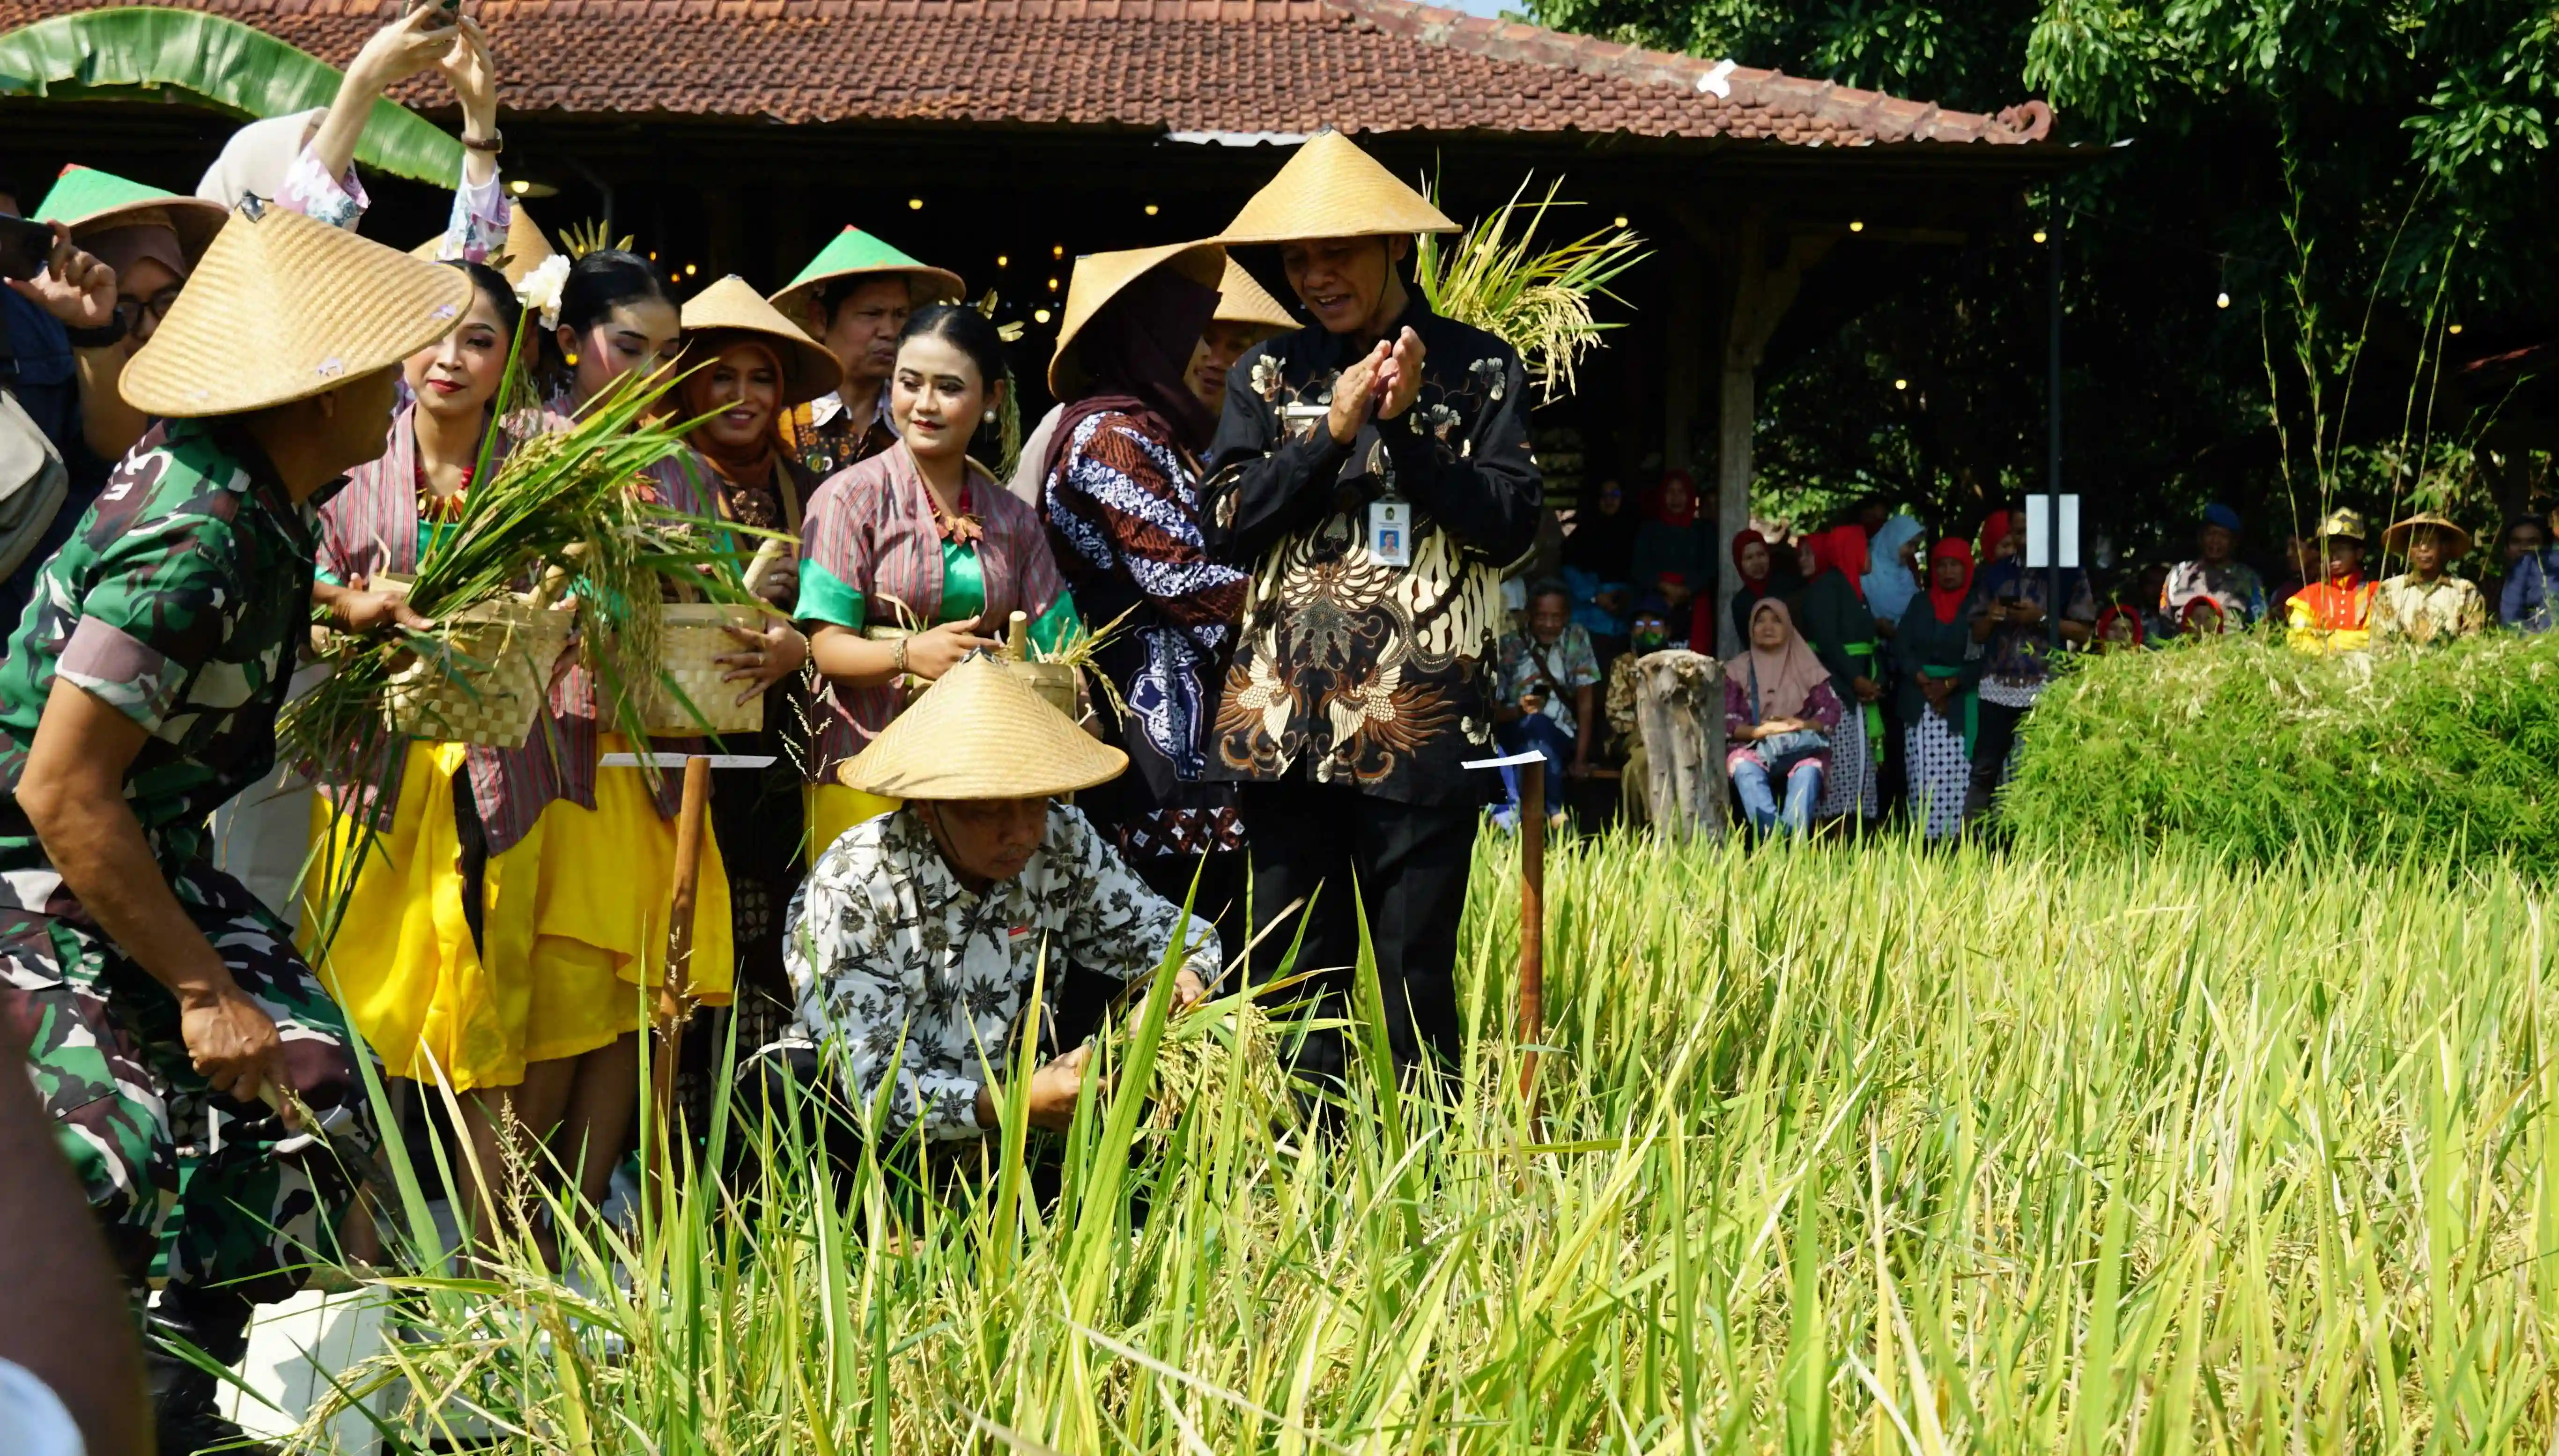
column 2355, row 177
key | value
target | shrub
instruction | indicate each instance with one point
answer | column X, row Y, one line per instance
column 2246, row 747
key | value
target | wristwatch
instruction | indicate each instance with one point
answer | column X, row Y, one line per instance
column 110, row 331
column 496, row 143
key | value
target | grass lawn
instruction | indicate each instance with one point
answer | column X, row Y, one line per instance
column 1866, row 1149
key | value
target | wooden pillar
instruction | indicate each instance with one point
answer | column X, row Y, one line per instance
column 1683, row 346
column 725, row 245
column 1765, row 272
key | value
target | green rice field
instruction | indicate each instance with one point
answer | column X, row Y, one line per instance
column 1844, row 1149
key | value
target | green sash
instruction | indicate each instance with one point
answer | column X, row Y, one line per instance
column 1876, row 750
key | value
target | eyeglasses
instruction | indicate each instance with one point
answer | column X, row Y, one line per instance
column 135, row 312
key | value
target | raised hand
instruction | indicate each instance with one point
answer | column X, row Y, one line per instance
column 73, row 287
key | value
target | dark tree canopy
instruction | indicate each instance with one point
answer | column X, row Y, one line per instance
column 2370, row 185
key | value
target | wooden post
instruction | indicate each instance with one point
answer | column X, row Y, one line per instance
column 675, row 987
column 1763, row 289
column 1532, row 991
column 1018, row 637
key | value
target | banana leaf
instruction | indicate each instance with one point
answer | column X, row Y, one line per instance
column 112, row 54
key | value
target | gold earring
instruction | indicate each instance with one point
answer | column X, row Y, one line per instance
column 572, row 360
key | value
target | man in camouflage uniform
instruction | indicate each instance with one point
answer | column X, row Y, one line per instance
column 200, row 1079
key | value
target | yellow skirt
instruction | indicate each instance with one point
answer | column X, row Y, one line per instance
column 831, row 809
column 573, row 929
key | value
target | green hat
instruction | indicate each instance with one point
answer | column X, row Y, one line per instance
column 88, row 201
column 854, row 252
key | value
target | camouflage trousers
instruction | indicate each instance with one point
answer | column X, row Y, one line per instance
column 190, row 1185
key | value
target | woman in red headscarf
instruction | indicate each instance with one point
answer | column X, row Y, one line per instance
column 1673, row 555
column 1840, row 628
column 1761, row 571
column 1936, row 673
column 2119, row 629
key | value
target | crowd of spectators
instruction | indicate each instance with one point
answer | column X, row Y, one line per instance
column 1885, row 668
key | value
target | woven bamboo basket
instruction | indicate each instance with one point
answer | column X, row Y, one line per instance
column 493, row 688
column 692, row 637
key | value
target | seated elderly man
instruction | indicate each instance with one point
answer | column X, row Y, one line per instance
column 915, row 940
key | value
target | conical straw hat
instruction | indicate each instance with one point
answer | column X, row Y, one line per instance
column 2457, row 541
column 527, row 247
column 810, row 369
column 282, row 308
column 90, row 202
column 980, row 733
column 1332, row 189
column 855, row 252
column 1241, row 299
column 1098, row 280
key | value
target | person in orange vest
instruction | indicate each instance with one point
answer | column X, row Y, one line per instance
column 2334, row 613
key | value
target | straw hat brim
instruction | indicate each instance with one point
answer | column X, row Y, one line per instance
column 281, row 308
column 196, row 222
column 2396, row 539
column 931, row 285
column 527, row 247
column 1100, row 278
column 1241, row 299
column 980, row 733
column 1332, row 189
column 811, row 369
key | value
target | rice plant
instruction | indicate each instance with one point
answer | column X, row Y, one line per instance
column 2249, row 750
column 1874, row 1149
column 1536, row 299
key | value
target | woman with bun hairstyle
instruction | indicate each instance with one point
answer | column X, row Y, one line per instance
column 917, row 556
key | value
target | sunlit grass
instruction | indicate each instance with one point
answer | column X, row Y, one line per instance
column 1844, row 1148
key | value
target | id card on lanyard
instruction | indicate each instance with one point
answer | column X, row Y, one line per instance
column 1390, row 521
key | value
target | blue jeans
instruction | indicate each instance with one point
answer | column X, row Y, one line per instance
column 1803, row 790
column 1540, row 732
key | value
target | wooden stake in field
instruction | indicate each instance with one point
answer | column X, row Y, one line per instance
column 676, row 983
column 1532, row 968
column 1532, row 964
column 675, row 987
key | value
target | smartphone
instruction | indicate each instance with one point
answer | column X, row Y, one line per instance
column 24, row 248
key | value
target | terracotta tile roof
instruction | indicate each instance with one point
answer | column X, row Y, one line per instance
column 1232, row 67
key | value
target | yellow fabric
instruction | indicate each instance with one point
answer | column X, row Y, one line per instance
column 560, row 903
column 831, row 809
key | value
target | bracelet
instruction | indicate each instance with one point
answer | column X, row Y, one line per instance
column 898, row 661
column 496, row 143
column 99, row 336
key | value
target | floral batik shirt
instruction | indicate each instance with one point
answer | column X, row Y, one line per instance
column 895, row 964
column 1123, row 514
column 2409, row 610
column 825, row 437
column 1352, row 669
column 1552, row 669
column 177, row 603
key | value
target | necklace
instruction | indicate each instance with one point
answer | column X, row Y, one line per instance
column 434, row 508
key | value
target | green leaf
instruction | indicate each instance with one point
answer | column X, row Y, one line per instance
column 110, row 53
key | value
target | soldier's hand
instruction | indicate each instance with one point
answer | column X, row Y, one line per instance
column 233, row 1044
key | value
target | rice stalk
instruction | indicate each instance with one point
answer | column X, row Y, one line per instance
column 1537, row 300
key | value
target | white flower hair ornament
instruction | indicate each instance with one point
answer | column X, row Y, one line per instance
column 539, row 291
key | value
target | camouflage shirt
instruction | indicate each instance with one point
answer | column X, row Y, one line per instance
column 177, row 603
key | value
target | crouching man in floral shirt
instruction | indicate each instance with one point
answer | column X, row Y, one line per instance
column 915, row 942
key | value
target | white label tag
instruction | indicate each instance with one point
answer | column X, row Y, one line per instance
column 1389, row 532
